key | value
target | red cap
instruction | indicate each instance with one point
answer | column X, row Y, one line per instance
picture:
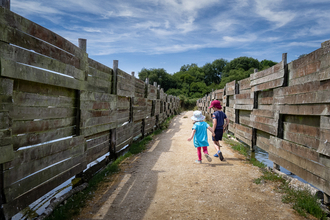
column 216, row 104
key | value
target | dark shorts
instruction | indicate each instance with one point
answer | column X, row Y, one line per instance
column 218, row 135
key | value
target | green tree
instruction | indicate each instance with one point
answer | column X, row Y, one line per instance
column 213, row 71
column 160, row 76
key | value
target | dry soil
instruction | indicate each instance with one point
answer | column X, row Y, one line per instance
column 164, row 182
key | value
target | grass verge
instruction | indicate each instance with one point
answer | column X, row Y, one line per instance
column 78, row 201
column 301, row 200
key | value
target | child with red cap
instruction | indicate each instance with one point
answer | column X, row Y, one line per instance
column 218, row 118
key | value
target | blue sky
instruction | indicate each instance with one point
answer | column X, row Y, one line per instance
column 171, row 33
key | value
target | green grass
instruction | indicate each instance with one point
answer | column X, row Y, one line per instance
column 301, row 199
column 77, row 202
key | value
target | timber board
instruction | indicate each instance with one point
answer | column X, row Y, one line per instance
column 16, row 54
column 31, row 113
column 21, row 171
column 14, row 206
column 11, row 19
column 13, row 36
column 305, row 174
column 99, row 66
column 266, row 72
column 33, row 99
column 19, row 71
column 7, row 154
column 29, row 139
column 21, row 187
column 268, row 85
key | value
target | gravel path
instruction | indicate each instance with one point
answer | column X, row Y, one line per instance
column 164, row 183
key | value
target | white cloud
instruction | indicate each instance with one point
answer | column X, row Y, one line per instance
column 271, row 11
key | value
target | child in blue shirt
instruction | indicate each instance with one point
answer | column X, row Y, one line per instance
column 199, row 133
column 218, row 118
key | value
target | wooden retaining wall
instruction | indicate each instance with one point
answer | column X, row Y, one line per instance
column 285, row 110
column 61, row 110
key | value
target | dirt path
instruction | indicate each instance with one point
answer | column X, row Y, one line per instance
column 164, row 183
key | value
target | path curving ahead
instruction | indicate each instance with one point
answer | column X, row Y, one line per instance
column 164, row 183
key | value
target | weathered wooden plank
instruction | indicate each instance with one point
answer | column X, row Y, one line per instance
column 6, row 86
column 244, row 84
column 87, row 131
column 18, row 188
column 28, row 113
column 98, row 85
column 93, row 121
column 23, row 170
column 5, row 137
column 311, row 178
column 37, row 138
column 306, row 98
column 36, row 153
column 309, row 109
column 98, row 97
column 299, row 89
column 5, row 120
column 97, row 151
column 99, row 66
column 137, row 127
column 266, row 72
column 23, row 72
column 13, row 36
column 14, row 206
column 263, row 141
column 16, row 54
column 325, row 74
column 140, row 89
column 152, row 93
column 268, row 78
column 100, row 75
column 324, row 146
column 230, row 88
column 244, row 107
column 43, row 89
column 300, row 150
column 32, row 99
column 270, row 129
column 96, row 139
column 10, row 19
column 268, row 85
column 7, row 153
column 125, row 84
column 304, row 70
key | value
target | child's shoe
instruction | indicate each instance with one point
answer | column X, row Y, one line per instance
column 209, row 159
column 216, row 155
column 220, row 155
column 198, row 161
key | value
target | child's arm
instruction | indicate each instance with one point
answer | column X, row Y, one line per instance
column 226, row 124
column 211, row 129
column 215, row 121
column 192, row 135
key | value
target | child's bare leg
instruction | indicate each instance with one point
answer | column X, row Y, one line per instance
column 216, row 145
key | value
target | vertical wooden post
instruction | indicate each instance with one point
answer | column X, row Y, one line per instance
column 82, row 44
column 5, row 4
column 131, row 109
column 286, row 70
column 112, row 147
column 146, row 91
column 255, row 99
column 143, row 127
column 254, row 139
column 114, row 78
column 2, row 195
column 133, row 73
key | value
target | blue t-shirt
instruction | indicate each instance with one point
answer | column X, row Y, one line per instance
column 200, row 137
column 220, row 116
